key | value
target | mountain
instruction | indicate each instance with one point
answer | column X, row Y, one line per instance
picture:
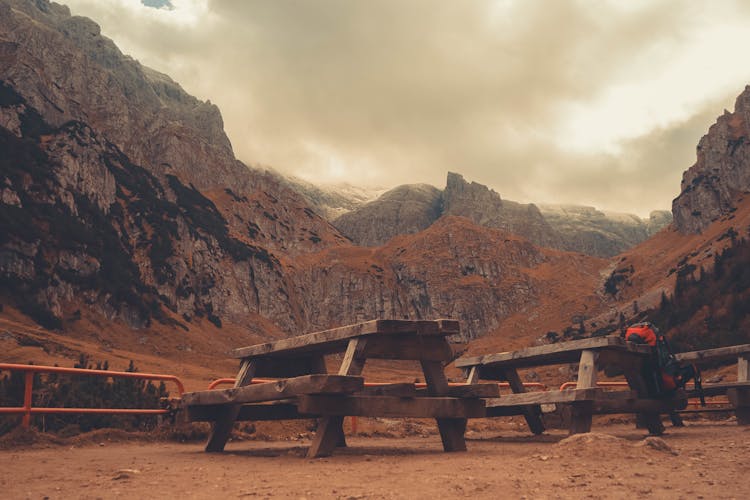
column 712, row 185
column 405, row 209
column 332, row 201
column 411, row 208
column 121, row 194
column 126, row 221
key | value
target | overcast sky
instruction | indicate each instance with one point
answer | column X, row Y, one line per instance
column 590, row 102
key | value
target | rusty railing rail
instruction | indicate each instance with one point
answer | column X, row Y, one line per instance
column 29, row 370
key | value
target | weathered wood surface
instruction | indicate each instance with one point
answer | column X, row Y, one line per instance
column 718, row 389
column 560, row 353
column 489, row 390
column 709, row 355
column 266, row 411
column 452, row 426
column 638, row 405
column 402, row 390
column 531, row 413
column 390, row 406
column 221, row 428
column 280, row 389
column 408, row 347
column 335, row 340
column 330, row 432
column 740, row 399
column 543, row 397
column 581, row 413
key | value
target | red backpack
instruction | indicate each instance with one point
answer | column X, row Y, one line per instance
column 672, row 375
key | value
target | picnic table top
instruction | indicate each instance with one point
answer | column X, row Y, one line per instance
column 718, row 354
column 551, row 354
column 336, row 339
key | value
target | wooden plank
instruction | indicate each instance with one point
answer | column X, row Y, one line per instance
column 638, row 405
column 221, row 429
column 280, row 389
column 532, row 413
column 472, row 377
column 581, row 413
column 718, row 389
column 403, row 390
column 411, row 347
column 451, row 427
column 330, row 432
column 743, row 368
column 543, row 397
column 287, row 367
column 389, row 406
column 336, row 339
column 489, row 390
column 740, row 399
column 273, row 411
column 710, row 355
column 354, row 357
column 587, row 370
column 562, row 352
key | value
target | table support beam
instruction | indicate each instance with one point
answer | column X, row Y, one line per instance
column 221, row 429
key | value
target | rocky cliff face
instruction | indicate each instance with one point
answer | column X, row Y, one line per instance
column 409, row 209
column 405, row 209
column 593, row 232
column 117, row 202
column 121, row 190
column 453, row 269
column 722, row 171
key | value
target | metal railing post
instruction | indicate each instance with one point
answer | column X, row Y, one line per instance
column 27, row 392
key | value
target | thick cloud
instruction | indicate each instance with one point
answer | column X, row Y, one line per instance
column 588, row 102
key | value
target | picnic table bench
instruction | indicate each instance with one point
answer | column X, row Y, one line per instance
column 586, row 400
column 738, row 392
column 305, row 390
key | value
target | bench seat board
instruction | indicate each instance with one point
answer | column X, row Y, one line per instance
column 710, row 355
column 560, row 353
column 280, row 389
column 389, row 406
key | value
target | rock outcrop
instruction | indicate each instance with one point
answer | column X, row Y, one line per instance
column 405, row 209
column 121, row 190
column 722, row 171
column 120, row 199
column 412, row 208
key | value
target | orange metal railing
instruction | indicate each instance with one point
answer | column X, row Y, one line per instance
column 27, row 410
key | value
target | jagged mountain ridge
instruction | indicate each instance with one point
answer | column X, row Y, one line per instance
column 96, row 224
column 411, row 208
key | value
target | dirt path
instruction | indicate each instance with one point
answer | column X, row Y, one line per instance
column 703, row 460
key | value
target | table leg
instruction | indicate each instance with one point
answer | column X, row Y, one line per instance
column 582, row 411
column 741, row 397
column 532, row 413
column 221, row 428
column 330, row 432
column 451, row 429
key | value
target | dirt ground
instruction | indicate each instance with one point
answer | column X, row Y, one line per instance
column 705, row 459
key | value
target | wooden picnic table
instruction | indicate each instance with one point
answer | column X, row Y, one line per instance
column 307, row 391
column 591, row 355
column 738, row 392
